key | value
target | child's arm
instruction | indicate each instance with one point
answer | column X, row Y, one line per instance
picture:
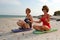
column 31, row 19
column 48, row 19
column 38, row 21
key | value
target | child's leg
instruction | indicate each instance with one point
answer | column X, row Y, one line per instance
column 26, row 25
column 45, row 27
column 20, row 23
column 23, row 24
column 41, row 28
column 38, row 27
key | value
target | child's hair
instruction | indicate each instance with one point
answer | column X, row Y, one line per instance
column 27, row 9
column 45, row 8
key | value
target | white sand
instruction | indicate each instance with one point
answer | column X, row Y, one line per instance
column 6, row 24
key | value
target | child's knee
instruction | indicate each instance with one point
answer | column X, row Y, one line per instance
column 34, row 27
column 47, row 28
column 17, row 23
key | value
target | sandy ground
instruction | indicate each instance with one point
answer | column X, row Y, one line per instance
column 6, row 24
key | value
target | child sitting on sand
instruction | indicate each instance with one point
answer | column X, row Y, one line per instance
column 44, row 19
column 27, row 22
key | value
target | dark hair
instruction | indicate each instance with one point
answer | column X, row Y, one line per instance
column 45, row 8
column 27, row 9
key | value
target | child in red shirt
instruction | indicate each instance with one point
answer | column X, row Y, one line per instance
column 44, row 19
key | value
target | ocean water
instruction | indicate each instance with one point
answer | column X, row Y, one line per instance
column 23, row 16
column 11, row 16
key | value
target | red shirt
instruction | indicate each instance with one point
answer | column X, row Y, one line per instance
column 45, row 22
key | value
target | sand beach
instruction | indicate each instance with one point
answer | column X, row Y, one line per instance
column 7, row 24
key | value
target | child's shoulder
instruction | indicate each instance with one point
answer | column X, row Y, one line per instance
column 30, row 16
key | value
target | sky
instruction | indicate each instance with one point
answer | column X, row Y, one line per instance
column 17, row 7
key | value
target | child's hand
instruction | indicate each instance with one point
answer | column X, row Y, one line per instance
column 47, row 20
